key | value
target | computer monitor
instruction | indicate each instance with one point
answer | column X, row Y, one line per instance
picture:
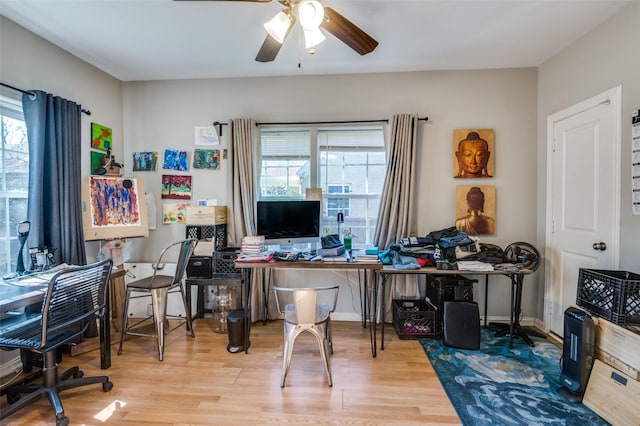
column 288, row 222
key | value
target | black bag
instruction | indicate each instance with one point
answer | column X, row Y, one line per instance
column 489, row 253
column 330, row 241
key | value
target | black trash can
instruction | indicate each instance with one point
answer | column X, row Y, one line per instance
column 236, row 327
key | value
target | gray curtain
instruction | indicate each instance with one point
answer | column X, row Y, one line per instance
column 242, row 190
column 396, row 216
column 54, row 204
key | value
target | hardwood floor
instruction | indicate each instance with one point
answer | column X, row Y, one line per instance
column 200, row 383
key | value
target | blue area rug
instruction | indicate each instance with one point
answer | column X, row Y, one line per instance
column 500, row 386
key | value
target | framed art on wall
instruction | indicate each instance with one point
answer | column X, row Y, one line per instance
column 175, row 160
column 145, row 161
column 101, row 137
column 472, row 150
column 476, row 209
column 206, row 159
column 176, row 187
column 98, row 159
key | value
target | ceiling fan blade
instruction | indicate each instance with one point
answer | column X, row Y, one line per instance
column 347, row 32
column 269, row 50
column 270, row 46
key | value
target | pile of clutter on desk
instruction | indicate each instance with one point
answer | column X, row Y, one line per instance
column 452, row 249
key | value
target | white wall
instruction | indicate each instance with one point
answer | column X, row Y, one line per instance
column 162, row 114
column 155, row 115
column 30, row 62
column 603, row 59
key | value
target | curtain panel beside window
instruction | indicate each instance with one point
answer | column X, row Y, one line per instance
column 54, row 206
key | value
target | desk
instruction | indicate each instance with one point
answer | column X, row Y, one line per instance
column 516, row 295
column 305, row 264
column 14, row 296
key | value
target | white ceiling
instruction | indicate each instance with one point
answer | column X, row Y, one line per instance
column 166, row 39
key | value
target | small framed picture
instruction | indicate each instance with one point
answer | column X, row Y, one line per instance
column 145, row 161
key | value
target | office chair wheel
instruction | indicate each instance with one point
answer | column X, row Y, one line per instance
column 62, row 420
column 78, row 374
column 107, row 386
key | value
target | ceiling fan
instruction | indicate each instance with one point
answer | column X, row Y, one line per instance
column 312, row 16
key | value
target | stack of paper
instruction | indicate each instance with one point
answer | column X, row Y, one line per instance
column 472, row 265
column 366, row 258
column 253, row 244
column 344, row 257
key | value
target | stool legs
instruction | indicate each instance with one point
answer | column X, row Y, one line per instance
column 159, row 305
column 159, row 298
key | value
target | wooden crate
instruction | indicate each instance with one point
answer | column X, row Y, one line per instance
column 618, row 346
column 613, row 395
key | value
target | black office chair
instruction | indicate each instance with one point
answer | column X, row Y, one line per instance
column 74, row 298
column 159, row 286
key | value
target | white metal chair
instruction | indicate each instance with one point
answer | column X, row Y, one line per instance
column 307, row 309
column 159, row 286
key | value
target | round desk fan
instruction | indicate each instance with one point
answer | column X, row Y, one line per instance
column 523, row 254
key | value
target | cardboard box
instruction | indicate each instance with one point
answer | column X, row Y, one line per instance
column 619, row 342
column 206, row 215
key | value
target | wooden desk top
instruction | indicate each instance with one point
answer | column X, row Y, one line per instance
column 430, row 270
column 30, row 289
column 306, row 264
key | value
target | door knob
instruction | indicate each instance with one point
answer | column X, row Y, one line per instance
column 599, row 246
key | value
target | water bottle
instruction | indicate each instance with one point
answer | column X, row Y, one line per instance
column 347, row 241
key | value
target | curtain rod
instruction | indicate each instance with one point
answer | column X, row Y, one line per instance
column 86, row 111
column 384, row 120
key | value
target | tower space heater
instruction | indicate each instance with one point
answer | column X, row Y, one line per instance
column 577, row 353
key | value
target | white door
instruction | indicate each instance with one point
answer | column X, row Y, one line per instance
column 583, row 197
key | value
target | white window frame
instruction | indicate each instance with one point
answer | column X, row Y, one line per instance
column 10, row 106
column 319, row 147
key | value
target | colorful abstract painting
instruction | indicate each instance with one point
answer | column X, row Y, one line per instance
column 97, row 159
column 206, row 159
column 175, row 160
column 145, row 161
column 114, row 201
column 176, row 187
column 101, row 137
column 174, row 213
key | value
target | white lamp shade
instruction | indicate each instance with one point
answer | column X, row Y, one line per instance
column 311, row 14
column 278, row 26
column 313, row 37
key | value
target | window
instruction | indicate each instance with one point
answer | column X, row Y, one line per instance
column 285, row 172
column 349, row 165
column 337, row 205
column 14, row 179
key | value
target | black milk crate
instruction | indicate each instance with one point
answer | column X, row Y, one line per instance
column 200, row 232
column 223, row 266
column 612, row 295
column 449, row 288
column 415, row 319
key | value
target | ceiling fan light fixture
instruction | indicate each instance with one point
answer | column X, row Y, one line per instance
column 278, row 26
column 311, row 14
column 313, row 37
